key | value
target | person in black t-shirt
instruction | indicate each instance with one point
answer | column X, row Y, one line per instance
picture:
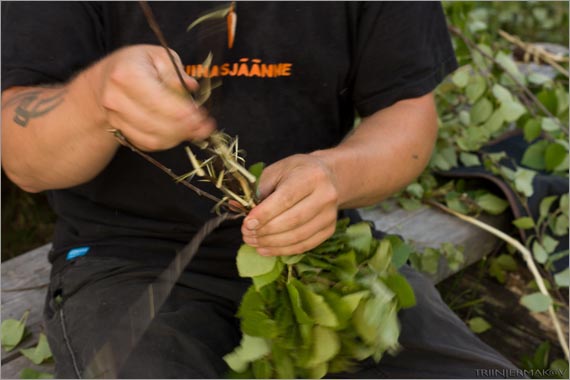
column 293, row 74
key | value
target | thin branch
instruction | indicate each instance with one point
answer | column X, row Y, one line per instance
column 527, row 256
column 156, row 29
column 123, row 140
column 454, row 30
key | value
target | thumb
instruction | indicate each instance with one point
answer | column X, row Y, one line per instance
column 270, row 179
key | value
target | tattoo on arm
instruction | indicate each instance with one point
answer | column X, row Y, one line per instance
column 35, row 103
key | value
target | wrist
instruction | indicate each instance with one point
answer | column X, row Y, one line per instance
column 86, row 90
column 329, row 160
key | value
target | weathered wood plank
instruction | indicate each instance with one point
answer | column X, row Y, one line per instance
column 427, row 227
column 24, row 286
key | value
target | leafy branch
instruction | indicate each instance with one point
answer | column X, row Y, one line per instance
column 527, row 256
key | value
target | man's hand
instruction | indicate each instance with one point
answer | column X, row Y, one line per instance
column 143, row 97
column 298, row 209
column 58, row 137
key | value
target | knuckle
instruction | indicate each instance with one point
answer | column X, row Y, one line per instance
column 287, row 200
column 108, row 100
column 152, row 143
column 120, row 74
column 331, row 196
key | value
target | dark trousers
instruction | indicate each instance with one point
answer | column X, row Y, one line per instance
column 196, row 326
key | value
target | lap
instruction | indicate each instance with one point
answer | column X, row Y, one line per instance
column 196, row 326
column 187, row 338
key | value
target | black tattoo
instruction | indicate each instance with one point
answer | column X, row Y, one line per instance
column 35, row 103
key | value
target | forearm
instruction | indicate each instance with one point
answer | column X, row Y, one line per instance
column 59, row 137
column 54, row 137
column 384, row 154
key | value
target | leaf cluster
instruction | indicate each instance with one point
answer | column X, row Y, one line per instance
column 322, row 311
column 13, row 333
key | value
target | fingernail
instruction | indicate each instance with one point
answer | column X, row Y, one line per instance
column 263, row 251
column 252, row 224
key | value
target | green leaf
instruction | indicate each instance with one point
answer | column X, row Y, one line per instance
column 251, row 264
column 39, row 353
column 298, row 308
column 507, row 63
column 251, row 348
column 560, row 366
column 523, row 181
column 561, row 100
column 360, row 236
column 262, row 369
column 341, row 308
column 319, row 371
column 353, row 299
column 560, row 227
column 326, row 346
column 254, row 319
column 464, row 118
column 555, row 154
column 507, row 263
column 453, row 255
column 549, row 243
column 564, row 203
column 345, row 266
column 291, row 259
column 502, row 94
column 476, row 88
column 461, row 76
column 511, row 111
column 29, row 373
column 562, row 279
column 283, row 364
column 381, row 260
column 256, row 169
column 546, row 205
column 430, row 260
column 533, row 157
column 13, row 331
column 539, row 79
column 536, row 302
column 478, row 325
column 532, row 130
column 453, row 201
column 415, row 189
column 400, row 250
column 539, row 253
column 549, row 124
column 402, row 289
column 481, row 111
column 469, row 159
column 410, row 204
column 318, row 309
column 495, row 122
column 367, row 331
column 549, row 99
column 492, row 204
column 269, row 277
column 524, row 223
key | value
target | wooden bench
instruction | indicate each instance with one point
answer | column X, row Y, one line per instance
column 25, row 278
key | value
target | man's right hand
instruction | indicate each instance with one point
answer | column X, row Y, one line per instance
column 58, row 137
column 143, row 97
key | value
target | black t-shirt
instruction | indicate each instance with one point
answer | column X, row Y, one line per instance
column 291, row 81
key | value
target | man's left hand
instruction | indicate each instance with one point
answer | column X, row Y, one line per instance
column 298, row 210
